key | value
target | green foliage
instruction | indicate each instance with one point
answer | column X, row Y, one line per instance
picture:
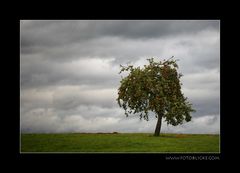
column 156, row 88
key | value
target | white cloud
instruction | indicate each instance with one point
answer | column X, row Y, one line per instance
column 97, row 119
column 198, row 125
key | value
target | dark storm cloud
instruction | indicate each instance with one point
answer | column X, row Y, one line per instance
column 52, row 33
column 69, row 72
column 44, row 35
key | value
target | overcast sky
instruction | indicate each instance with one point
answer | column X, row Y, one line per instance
column 69, row 72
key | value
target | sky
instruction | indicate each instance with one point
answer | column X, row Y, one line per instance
column 69, row 72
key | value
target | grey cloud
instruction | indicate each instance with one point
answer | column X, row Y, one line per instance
column 49, row 34
column 69, row 98
column 69, row 72
column 203, row 90
column 93, row 71
column 153, row 29
column 76, row 39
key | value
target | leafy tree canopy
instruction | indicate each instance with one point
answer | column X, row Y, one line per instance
column 156, row 87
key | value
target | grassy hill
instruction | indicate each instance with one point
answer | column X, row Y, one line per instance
column 119, row 142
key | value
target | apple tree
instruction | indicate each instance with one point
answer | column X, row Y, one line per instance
column 157, row 88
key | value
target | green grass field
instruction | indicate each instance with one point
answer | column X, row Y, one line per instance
column 121, row 142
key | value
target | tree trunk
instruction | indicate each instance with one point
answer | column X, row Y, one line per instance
column 158, row 126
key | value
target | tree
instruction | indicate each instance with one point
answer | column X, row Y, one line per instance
column 156, row 87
